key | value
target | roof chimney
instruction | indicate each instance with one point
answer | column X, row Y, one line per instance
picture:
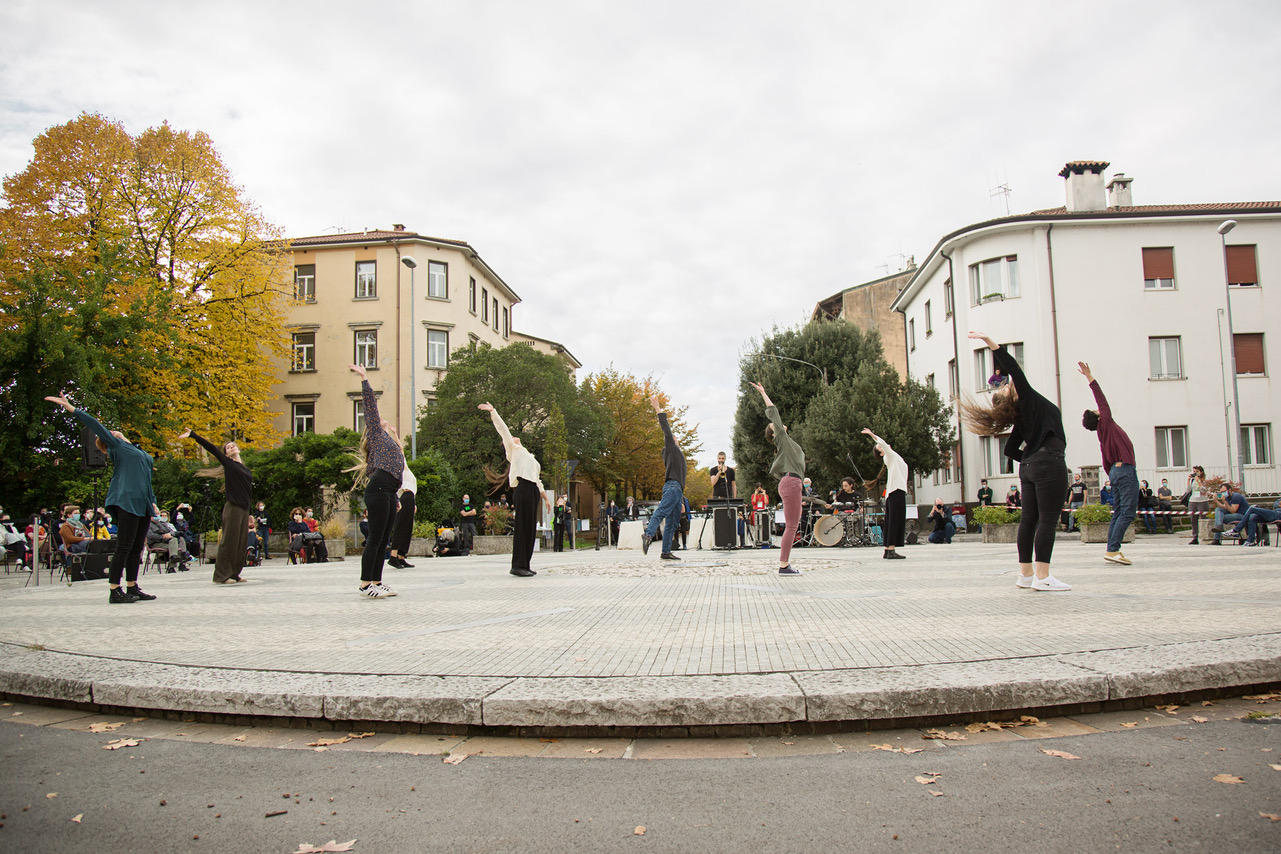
column 1119, row 195
column 397, row 226
column 1084, row 184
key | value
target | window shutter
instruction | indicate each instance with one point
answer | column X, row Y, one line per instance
column 1248, row 349
column 1242, row 268
column 1158, row 263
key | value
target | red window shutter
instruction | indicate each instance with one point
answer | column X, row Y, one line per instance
column 1247, row 348
column 1242, row 267
column 1158, row 263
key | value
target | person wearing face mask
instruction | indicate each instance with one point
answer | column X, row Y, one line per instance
column 233, row 542
column 130, row 500
column 161, row 534
column 467, row 524
column 181, row 518
column 1038, row 442
column 263, row 524
column 522, row 476
column 297, row 527
column 14, row 542
column 75, row 537
column 1165, row 503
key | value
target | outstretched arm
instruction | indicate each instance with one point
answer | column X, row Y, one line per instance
column 881, row 443
column 499, row 425
column 764, row 396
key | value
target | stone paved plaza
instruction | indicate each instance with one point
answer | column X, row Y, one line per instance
column 614, row 638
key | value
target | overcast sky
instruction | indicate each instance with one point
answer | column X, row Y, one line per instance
column 661, row 182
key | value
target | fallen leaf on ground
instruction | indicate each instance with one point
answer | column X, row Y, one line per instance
column 549, row 740
column 1227, row 778
column 1263, row 698
column 595, row 749
column 360, row 734
column 325, row 742
column 105, row 727
column 1198, row 719
column 331, row 845
column 1130, row 725
column 138, row 720
column 639, row 831
column 52, row 795
column 1172, row 709
column 451, row 759
column 984, row 727
column 936, row 794
column 942, row 736
column 925, row 781
column 240, row 738
column 1274, row 767
column 580, row 659
column 76, row 818
column 1062, row 754
column 320, row 749
column 1207, row 702
column 892, row 749
column 121, row 742
column 1271, row 816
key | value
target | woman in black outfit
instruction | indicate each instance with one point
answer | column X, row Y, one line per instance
column 1038, row 441
column 233, row 543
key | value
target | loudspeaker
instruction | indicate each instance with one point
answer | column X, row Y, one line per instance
column 89, row 567
column 723, row 535
column 90, row 456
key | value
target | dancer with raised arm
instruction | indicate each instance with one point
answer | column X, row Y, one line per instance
column 669, row 508
column 789, row 468
column 522, row 475
column 381, row 463
column 1118, row 462
column 403, row 529
column 233, row 543
column 895, row 496
column 1037, row 441
column 129, row 500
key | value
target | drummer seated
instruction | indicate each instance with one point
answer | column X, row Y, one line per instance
column 944, row 528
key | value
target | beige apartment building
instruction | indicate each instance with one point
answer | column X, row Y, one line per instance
column 867, row 306
column 396, row 302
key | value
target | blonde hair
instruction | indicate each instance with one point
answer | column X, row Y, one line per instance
column 361, row 454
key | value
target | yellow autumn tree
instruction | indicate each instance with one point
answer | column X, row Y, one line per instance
column 185, row 245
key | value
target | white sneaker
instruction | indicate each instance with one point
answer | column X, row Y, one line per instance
column 1050, row 583
column 385, row 588
column 1025, row 582
column 373, row 591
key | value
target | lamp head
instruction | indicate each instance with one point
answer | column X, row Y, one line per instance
column 408, row 260
column 1227, row 226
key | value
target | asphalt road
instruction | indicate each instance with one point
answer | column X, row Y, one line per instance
column 1137, row 790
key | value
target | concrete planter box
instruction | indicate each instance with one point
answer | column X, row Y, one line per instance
column 421, row 547
column 1097, row 532
column 488, row 545
column 1001, row 533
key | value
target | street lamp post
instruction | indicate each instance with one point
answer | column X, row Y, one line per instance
column 1227, row 226
column 408, row 261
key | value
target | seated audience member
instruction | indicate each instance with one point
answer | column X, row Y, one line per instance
column 14, row 543
column 161, row 534
column 1255, row 523
column 305, row 541
column 312, row 522
column 364, row 527
column 297, row 527
column 41, row 538
column 1147, row 504
column 257, row 540
column 943, row 525
column 1229, row 506
column 958, row 516
column 447, row 542
column 1012, row 498
column 75, row 537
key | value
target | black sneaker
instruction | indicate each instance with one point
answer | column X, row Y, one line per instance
column 404, row 564
column 120, row 596
column 668, row 556
column 646, row 539
column 137, row 593
column 893, row 556
column 523, row 573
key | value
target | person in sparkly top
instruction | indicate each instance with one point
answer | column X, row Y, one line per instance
column 380, row 465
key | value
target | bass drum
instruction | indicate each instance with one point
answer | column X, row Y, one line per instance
column 829, row 530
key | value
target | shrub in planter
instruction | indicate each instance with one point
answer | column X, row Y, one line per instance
column 993, row 515
column 335, row 532
column 1094, row 520
column 496, row 519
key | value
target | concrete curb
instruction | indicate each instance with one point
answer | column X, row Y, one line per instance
column 564, row 704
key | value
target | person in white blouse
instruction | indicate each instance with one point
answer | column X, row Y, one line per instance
column 522, row 475
column 404, row 528
column 895, row 496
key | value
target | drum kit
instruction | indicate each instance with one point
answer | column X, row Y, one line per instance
column 844, row 524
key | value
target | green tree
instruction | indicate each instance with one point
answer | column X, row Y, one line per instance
column 307, row 470
column 557, row 451
column 847, row 386
column 523, row 385
column 438, row 491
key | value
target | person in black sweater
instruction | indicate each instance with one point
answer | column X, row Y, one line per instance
column 233, row 543
column 1037, row 441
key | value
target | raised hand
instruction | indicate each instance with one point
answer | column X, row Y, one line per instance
column 653, row 401
column 867, row 431
column 1084, row 368
column 62, row 401
column 485, row 407
column 185, row 434
column 359, row 369
column 980, row 336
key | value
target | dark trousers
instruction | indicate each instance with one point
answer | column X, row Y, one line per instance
column 380, row 501
column 1043, row 479
column 895, row 517
column 233, row 545
column 131, row 539
column 467, row 531
column 525, row 500
column 558, row 536
column 404, row 524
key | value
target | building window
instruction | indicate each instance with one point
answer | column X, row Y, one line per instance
column 366, row 280
column 506, row 323
column 358, row 416
column 1165, row 358
column 437, row 348
column 437, row 280
column 495, row 314
column 484, row 305
column 911, row 335
column 304, row 417
column 1015, row 349
column 1256, row 444
column 956, row 462
column 948, row 305
column 995, row 278
column 929, row 322
column 431, row 403
column 471, row 295
column 367, row 348
column 1247, row 351
column 953, row 380
column 1171, row 447
column 929, row 381
column 995, row 463
column 1158, row 268
column 1243, row 268
column 304, row 344
column 305, row 282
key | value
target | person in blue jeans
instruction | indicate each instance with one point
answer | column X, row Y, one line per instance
column 1118, row 462
column 1258, row 518
column 669, row 508
column 944, row 528
column 1229, row 506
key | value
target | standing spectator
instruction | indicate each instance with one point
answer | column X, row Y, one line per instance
column 130, row 500
column 944, row 528
column 1147, row 503
column 985, row 494
column 1197, row 499
column 631, row 512
column 1013, row 498
column 612, row 515
column 264, row 528
column 467, row 524
column 560, row 521
column 1118, row 461
column 683, row 530
column 1165, row 503
column 1075, row 500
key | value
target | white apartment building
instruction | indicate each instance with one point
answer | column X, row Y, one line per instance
column 1141, row 293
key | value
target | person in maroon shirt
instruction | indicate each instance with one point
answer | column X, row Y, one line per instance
column 1118, row 462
